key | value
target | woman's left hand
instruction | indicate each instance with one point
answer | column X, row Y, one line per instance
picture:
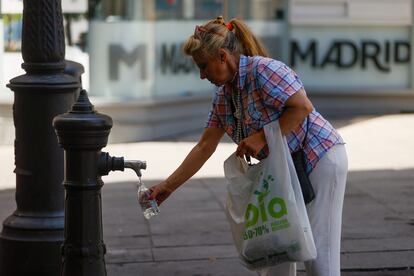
column 252, row 145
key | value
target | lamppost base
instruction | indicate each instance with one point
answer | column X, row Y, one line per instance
column 20, row 257
column 31, row 245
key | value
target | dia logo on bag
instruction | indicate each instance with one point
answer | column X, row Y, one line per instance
column 275, row 207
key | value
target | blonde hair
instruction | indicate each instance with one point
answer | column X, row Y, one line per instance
column 234, row 36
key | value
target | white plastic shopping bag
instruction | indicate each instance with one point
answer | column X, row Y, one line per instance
column 265, row 207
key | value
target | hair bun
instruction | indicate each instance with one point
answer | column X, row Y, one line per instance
column 220, row 20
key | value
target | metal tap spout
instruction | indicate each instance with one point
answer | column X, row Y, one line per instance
column 108, row 163
column 136, row 165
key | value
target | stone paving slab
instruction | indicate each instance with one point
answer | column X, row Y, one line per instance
column 401, row 243
column 121, row 255
column 378, row 260
column 206, row 267
column 183, row 239
column 205, row 252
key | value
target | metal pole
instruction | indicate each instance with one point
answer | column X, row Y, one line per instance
column 76, row 70
column 31, row 237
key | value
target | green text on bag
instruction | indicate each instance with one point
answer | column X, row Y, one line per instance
column 276, row 207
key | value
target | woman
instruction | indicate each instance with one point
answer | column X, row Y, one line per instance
column 253, row 90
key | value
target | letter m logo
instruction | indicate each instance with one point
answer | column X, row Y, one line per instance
column 118, row 54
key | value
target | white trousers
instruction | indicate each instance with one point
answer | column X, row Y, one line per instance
column 328, row 179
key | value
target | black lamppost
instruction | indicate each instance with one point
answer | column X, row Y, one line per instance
column 31, row 238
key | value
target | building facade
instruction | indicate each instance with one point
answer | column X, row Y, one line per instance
column 136, row 72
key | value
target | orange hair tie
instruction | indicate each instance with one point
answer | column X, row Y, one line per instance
column 229, row 26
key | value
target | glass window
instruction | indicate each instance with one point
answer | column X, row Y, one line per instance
column 208, row 9
column 264, row 9
column 12, row 35
column 113, row 10
column 168, row 9
column 186, row 9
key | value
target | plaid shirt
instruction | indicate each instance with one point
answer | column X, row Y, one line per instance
column 265, row 84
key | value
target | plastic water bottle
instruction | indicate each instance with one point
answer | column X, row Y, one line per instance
column 149, row 207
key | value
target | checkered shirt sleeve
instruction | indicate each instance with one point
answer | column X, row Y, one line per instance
column 277, row 83
column 213, row 117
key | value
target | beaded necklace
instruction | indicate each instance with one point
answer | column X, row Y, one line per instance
column 237, row 102
column 238, row 112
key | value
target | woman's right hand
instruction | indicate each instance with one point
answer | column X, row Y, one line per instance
column 161, row 191
column 191, row 164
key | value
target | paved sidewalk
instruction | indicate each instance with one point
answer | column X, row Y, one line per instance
column 192, row 237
